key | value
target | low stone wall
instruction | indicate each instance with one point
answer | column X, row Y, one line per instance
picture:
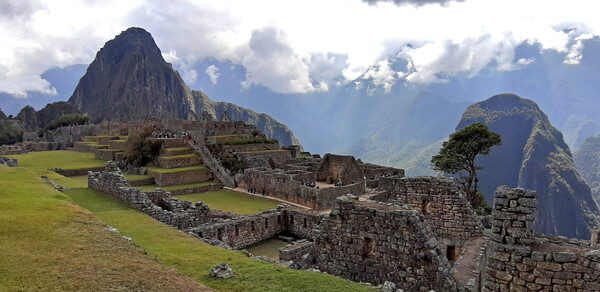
column 106, row 154
column 159, row 204
column 76, row 172
column 256, row 158
column 251, row 147
column 245, row 230
column 175, row 162
column 182, row 177
column 45, row 146
column 284, row 185
column 444, row 205
column 212, row 187
column 519, row 261
column 371, row 242
column 8, row 162
column 294, row 252
column 304, row 224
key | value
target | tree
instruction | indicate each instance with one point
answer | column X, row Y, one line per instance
column 457, row 157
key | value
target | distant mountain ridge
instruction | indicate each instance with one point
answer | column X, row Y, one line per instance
column 130, row 80
column 533, row 155
column 587, row 159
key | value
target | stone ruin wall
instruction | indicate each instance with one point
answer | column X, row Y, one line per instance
column 245, row 230
column 8, row 161
column 339, row 168
column 372, row 242
column 443, row 204
column 517, row 260
column 180, row 214
column 293, row 252
column 282, row 185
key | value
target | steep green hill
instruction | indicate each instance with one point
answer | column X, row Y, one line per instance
column 533, row 155
column 587, row 160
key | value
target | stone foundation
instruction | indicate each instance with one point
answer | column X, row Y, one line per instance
column 182, row 177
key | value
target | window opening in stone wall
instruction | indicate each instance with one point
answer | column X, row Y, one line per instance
column 200, row 234
column 304, row 223
column 266, row 222
column 368, row 247
column 451, row 253
column 291, row 219
column 424, row 207
column 220, row 234
column 252, row 225
column 279, row 219
column 237, row 230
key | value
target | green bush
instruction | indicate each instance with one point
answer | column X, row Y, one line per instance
column 10, row 132
column 68, row 119
column 141, row 150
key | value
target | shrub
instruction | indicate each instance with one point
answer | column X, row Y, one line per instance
column 68, row 119
column 141, row 150
column 10, row 132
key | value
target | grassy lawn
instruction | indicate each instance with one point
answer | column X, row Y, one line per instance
column 42, row 160
column 195, row 258
column 177, row 148
column 152, row 187
column 230, row 201
column 47, row 243
column 165, row 170
column 136, row 176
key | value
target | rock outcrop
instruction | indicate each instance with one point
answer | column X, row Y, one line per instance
column 533, row 155
column 130, row 80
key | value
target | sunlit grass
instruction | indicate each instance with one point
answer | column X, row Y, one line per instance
column 176, row 187
column 194, row 258
column 231, row 201
column 47, row 243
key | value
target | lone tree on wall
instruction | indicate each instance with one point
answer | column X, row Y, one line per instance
column 457, row 157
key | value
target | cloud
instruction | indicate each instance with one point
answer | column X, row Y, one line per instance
column 413, row 2
column 273, row 63
column 382, row 75
column 213, row 72
column 283, row 49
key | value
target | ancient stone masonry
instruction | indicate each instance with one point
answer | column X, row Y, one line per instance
column 288, row 185
column 366, row 241
column 340, row 168
column 442, row 203
column 245, row 230
column 158, row 204
column 8, row 161
column 517, row 260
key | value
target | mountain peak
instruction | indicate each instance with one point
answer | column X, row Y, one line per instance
column 129, row 80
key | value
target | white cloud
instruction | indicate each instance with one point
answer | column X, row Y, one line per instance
column 313, row 41
column 213, row 72
column 382, row 75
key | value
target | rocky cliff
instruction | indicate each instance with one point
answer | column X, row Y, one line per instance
column 587, row 160
column 130, row 80
column 533, row 155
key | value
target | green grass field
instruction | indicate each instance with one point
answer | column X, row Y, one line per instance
column 152, row 187
column 43, row 160
column 268, row 247
column 195, row 258
column 47, row 243
column 230, row 201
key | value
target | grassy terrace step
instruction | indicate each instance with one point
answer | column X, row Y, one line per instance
column 177, row 151
column 174, row 170
column 231, row 201
column 47, row 243
column 181, row 175
column 177, row 187
column 195, row 258
column 179, row 161
column 179, row 156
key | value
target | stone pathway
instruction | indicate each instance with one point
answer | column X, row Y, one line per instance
column 468, row 264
